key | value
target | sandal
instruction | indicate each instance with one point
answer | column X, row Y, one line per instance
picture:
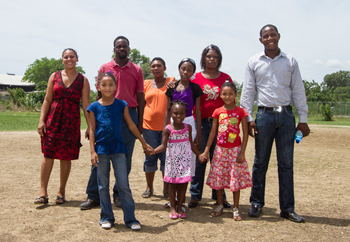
column 236, row 215
column 218, row 210
column 174, row 215
column 147, row 194
column 183, row 212
column 41, row 200
column 60, row 200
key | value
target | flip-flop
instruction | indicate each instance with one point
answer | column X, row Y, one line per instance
column 41, row 200
column 60, row 200
column 147, row 194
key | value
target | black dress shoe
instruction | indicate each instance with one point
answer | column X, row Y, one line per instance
column 292, row 216
column 192, row 205
column 88, row 204
column 226, row 204
column 254, row 211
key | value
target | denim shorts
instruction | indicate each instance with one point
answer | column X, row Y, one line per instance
column 154, row 139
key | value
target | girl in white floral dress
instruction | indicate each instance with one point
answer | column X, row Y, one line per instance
column 177, row 140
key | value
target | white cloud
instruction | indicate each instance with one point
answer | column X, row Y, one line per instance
column 334, row 63
column 317, row 62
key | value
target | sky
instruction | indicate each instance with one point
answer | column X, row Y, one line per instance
column 315, row 32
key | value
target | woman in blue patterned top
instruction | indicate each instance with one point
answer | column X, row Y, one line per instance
column 106, row 144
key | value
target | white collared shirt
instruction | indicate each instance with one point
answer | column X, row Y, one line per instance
column 274, row 82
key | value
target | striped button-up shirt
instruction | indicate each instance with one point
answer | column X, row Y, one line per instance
column 274, row 82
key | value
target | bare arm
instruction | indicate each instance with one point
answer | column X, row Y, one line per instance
column 46, row 106
column 140, row 108
column 241, row 155
column 210, row 139
column 167, row 114
column 198, row 122
column 131, row 125
column 193, row 146
column 94, row 157
column 165, row 138
column 85, row 101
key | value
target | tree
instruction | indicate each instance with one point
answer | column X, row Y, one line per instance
column 337, row 79
column 342, row 94
column 143, row 61
column 40, row 70
column 318, row 93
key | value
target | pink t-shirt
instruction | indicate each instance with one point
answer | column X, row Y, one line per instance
column 129, row 80
column 228, row 126
column 211, row 99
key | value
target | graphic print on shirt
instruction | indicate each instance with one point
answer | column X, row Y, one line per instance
column 212, row 93
column 227, row 128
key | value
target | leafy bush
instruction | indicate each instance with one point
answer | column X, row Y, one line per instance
column 327, row 112
column 30, row 101
column 16, row 94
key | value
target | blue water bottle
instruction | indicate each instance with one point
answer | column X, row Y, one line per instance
column 298, row 136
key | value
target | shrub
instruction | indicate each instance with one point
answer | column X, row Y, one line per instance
column 327, row 112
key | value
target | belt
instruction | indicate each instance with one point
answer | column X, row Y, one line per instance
column 278, row 109
column 132, row 108
column 210, row 119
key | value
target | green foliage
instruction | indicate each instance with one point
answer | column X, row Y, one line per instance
column 318, row 93
column 327, row 113
column 92, row 96
column 143, row 61
column 337, row 79
column 30, row 101
column 40, row 70
column 342, row 93
column 16, row 94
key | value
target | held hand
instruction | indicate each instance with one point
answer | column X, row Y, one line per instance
column 41, row 129
column 304, row 128
column 94, row 159
column 170, row 84
column 252, row 130
column 148, row 150
column 203, row 158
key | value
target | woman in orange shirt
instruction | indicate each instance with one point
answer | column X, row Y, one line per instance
column 153, row 120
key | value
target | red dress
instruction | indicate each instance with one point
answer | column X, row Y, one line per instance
column 62, row 138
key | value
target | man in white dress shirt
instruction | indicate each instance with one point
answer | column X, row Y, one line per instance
column 273, row 77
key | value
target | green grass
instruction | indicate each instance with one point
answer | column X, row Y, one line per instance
column 341, row 121
column 23, row 121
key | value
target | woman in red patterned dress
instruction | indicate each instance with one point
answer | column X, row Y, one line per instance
column 59, row 124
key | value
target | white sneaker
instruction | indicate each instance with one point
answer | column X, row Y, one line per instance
column 106, row 225
column 136, row 227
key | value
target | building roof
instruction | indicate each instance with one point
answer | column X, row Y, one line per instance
column 14, row 80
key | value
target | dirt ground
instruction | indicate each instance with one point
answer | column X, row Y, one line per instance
column 322, row 194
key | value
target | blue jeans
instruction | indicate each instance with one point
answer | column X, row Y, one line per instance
column 197, row 182
column 281, row 128
column 154, row 139
column 120, row 173
column 129, row 140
